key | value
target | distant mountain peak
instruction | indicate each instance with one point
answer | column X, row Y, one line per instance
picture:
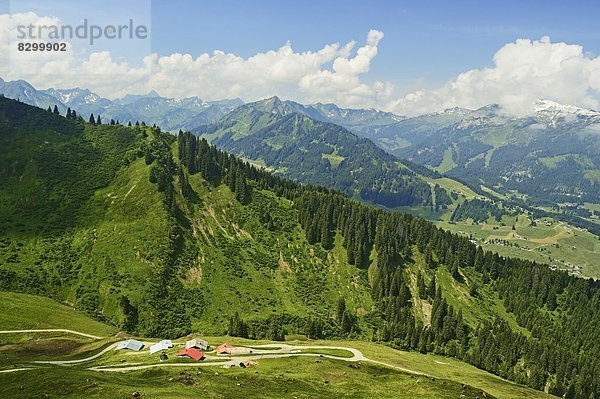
column 558, row 108
column 75, row 96
column 130, row 98
column 273, row 105
column 455, row 111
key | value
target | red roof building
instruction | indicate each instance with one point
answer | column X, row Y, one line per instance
column 232, row 350
column 192, row 353
column 225, row 348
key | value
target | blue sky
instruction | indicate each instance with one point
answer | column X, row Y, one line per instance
column 407, row 57
column 426, row 42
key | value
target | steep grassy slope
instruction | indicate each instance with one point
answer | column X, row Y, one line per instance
column 78, row 210
column 243, row 264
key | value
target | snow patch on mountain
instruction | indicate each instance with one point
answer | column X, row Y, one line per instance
column 554, row 107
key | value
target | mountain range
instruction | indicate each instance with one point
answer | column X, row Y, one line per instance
column 550, row 156
column 546, row 159
column 171, row 114
column 174, row 114
column 297, row 142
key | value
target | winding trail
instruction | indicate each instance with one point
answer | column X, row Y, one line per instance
column 13, row 370
column 77, row 361
column 51, row 330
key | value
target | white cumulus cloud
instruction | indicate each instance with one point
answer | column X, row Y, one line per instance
column 523, row 72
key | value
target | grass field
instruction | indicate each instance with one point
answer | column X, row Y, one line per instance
column 447, row 162
column 556, row 243
column 276, row 378
column 23, row 312
column 269, row 378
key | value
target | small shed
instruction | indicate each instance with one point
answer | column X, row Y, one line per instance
column 197, row 343
column 163, row 357
column 131, row 344
column 161, row 346
column 192, row 353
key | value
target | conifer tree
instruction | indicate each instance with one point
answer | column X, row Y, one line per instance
column 341, row 309
column 421, row 286
column 431, row 291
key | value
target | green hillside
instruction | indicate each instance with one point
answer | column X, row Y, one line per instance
column 162, row 236
column 488, row 219
column 25, row 312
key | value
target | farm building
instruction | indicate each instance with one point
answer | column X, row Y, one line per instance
column 161, row 346
column 197, row 343
column 237, row 350
column 233, row 350
column 192, row 353
column 224, row 348
column 130, row 344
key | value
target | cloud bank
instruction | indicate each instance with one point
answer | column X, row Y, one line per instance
column 522, row 72
column 330, row 74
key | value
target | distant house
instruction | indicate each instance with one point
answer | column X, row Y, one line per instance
column 224, row 348
column 232, row 350
column 238, row 350
column 130, row 344
column 192, row 353
column 197, row 343
column 161, row 346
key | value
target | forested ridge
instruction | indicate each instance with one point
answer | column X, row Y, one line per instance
column 310, row 151
column 561, row 312
column 131, row 257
